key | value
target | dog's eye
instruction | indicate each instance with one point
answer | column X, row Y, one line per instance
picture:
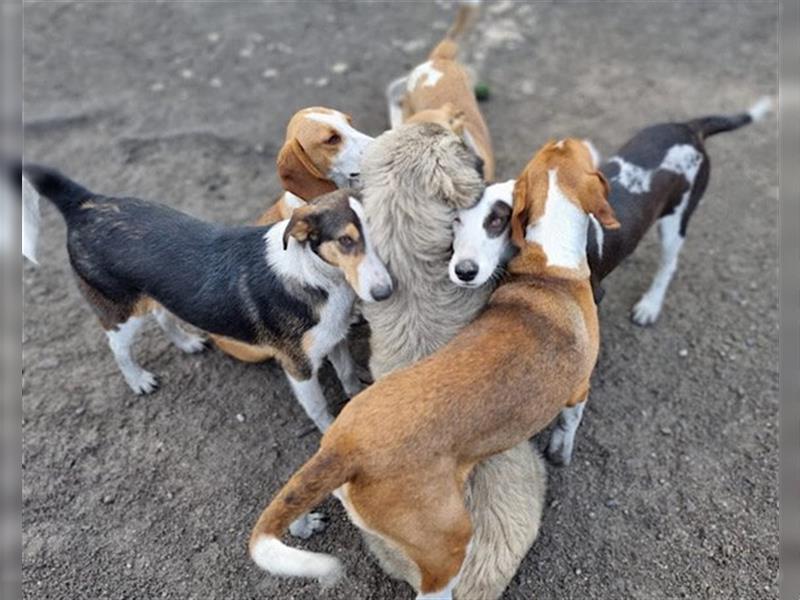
column 334, row 139
column 347, row 242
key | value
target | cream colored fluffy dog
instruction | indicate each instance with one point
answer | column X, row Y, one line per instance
column 415, row 178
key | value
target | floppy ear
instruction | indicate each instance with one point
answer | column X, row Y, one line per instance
column 300, row 226
column 519, row 212
column 299, row 174
column 597, row 201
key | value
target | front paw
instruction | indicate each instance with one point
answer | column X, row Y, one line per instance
column 143, row 382
column 646, row 311
column 559, row 451
column 308, row 525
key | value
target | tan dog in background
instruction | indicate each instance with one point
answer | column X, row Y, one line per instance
column 322, row 152
column 399, row 454
column 441, row 81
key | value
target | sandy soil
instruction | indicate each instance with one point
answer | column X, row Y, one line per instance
column 673, row 490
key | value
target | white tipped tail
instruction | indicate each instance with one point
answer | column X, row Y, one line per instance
column 30, row 221
column 760, row 109
column 272, row 555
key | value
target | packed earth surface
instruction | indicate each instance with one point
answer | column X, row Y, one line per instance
column 673, row 489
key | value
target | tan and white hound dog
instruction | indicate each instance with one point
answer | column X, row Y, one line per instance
column 399, row 453
column 322, row 152
column 443, row 84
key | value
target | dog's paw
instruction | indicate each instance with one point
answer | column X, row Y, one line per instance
column 192, row 344
column 143, row 382
column 559, row 451
column 308, row 525
column 646, row 311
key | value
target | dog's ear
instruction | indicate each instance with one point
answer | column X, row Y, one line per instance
column 301, row 226
column 299, row 174
column 596, row 201
column 519, row 211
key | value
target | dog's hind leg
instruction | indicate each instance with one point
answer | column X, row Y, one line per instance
column 346, row 368
column 311, row 397
column 188, row 342
column 562, row 440
column 121, row 339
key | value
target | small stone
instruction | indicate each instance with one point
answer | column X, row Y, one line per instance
column 340, row 68
column 413, row 45
column 240, row 417
column 612, row 503
column 215, row 82
column 157, row 87
column 269, row 73
column 108, row 499
column 527, row 88
column 321, row 82
column 246, row 52
column 683, row 353
column 578, row 571
column 170, row 496
column 661, row 481
column 80, row 410
column 213, row 37
column 554, row 503
column 128, row 565
column 666, row 430
column 187, row 73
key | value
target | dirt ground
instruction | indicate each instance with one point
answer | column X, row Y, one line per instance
column 673, row 492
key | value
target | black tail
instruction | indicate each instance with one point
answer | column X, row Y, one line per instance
column 707, row 126
column 59, row 189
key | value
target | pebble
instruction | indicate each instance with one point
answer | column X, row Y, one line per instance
column 413, row 46
column 80, row 410
column 240, row 417
column 666, row 431
column 578, row 571
column 269, row 73
column 213, row 37
column 215, row 82
column 683, row 353
column 187, row 74
column 108, row 499
column 527, row 88
column 321, row 82
column 157, row 87
column 340, row 68
column 612, row 503
column 246, row 52
column 170, row 496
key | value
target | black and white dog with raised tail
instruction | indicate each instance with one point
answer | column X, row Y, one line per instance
column 288, row 288
column 658, row 176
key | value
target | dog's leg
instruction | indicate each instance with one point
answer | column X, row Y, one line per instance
column 121, row 339
column 562, row 440
column 346, row 368
column 188, row 342
column 310, row 396
column 646, row 311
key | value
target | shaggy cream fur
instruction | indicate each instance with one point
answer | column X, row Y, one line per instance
column 415, row 177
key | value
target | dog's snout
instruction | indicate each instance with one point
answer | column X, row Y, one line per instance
column 381, row 292
column 466, row 270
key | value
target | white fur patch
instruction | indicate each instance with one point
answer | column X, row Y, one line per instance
column 598, row 235
column 292, row 201
column 427, row 71
column 31, row 220
column 561, row 230
column 274, row 556
column 632, row 177
column 121, row 343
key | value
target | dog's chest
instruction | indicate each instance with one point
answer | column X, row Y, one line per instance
column 334, row 321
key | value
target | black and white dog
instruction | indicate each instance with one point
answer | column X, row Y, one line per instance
column 658, row 176
column 287, row 288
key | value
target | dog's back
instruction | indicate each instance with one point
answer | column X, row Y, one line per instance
column 405, row 173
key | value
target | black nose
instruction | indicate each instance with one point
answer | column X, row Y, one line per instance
column 467, row 270
column 381, row 292
column 355, row 175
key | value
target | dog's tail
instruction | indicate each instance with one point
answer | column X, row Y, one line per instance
column 465, row 17
column 36, row 181
column 708, row 126
column 320, row 476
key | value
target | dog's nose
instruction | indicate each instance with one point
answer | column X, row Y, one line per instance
column 467, row 270
column 355, row 175
column 381, row 292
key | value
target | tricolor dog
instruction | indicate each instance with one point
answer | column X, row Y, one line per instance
column 657, row 176
column 442, row 83
column 399, row 453
column 288, row 287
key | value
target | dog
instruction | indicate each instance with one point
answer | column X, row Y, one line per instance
column 321, row 153
column 442, row 81
column 415, row 178
column 659, row 176
column 399, row 454
column 289, row 287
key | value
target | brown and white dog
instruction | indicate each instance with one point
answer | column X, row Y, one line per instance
column 400, row 452
column 322, row 152
column 287, row 288
column 441, row 90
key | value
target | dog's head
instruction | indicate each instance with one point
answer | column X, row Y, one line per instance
column 481, row 237
column 333, row 226
column 423, row 162
column 322, row 152
column 575, row 164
